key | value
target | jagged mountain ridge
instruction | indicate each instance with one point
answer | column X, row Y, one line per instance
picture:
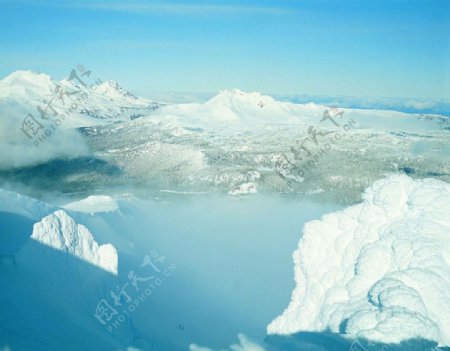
column 102, row 102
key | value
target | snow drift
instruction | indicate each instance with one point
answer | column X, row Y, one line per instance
column 378, row 270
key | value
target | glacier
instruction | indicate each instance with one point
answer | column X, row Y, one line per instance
column 379, row 270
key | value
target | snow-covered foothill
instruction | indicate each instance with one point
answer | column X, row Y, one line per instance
column 93, row 204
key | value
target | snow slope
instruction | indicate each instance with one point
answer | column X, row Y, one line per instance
column 379, row 270
column 237, row 110
column 98, row 103
column 52, row 276
column 54, row 228
column 54, row 109
column 228, row 115
column 93, row 204
column 25, row 206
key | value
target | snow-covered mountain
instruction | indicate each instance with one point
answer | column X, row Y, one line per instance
column 39, row 115
column 95, row 103
column 216, row 145
column 236, row 109
column 102, row 102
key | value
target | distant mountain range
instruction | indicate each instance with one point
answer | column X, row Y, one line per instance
column 236, row 142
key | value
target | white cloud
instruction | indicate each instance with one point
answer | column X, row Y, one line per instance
column 159, row 7
column 17, row 150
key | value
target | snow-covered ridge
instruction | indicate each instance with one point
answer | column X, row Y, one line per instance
column 31, row 81
column 55, row 228
column 27, row 79
column 13, row 202
column 60, row 232
column 113, row 90
column 93, row 204
column 238, row 109
column 39, row 115
column 103, row 101
column 228, row 97
column 378, row 270
column 108, row 102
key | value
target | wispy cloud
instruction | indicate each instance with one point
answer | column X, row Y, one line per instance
column 177, row 8
column 156, row 7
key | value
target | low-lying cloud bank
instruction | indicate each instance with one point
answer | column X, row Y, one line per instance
column 18, row 150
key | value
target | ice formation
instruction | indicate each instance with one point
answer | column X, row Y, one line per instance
column 60, row 231
column 379, row 270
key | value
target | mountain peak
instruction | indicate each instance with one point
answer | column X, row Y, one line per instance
column 113, row 89
column 28, row 78
column 230, row 97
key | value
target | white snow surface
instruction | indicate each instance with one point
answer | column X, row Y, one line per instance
column 245, row 344
column 244, row 189
column 39, row 117
column 61, row 232
column 378, row 270
column 93, row 204
column 19, row 204
column 104, row 103
column 238, row 110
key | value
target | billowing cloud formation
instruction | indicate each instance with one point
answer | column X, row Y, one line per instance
column 51, row 141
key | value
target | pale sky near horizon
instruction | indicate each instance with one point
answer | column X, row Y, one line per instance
column 391, row 48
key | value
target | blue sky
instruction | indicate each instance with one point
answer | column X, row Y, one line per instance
column 343, row 47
